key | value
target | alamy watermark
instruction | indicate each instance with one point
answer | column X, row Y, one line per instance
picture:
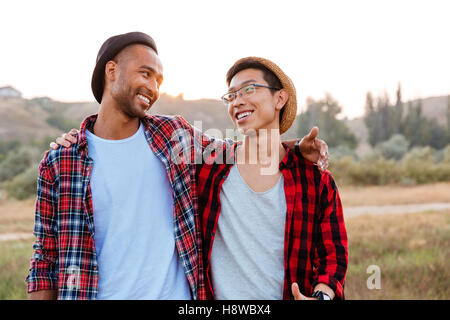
column 211, row 147
column 374, row 281
column 73, row 280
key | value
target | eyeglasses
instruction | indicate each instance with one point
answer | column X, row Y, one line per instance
column 245, row 92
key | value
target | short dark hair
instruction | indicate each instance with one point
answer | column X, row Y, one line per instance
column 270, row 77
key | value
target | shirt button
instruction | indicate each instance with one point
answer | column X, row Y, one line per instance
column 95, row 268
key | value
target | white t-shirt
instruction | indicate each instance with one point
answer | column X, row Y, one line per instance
column 133, row 219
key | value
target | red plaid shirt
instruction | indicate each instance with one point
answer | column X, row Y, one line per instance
column 315, row 245
column 64, row 256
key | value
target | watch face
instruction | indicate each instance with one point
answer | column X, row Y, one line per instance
column 320, row 295
column 326, row 297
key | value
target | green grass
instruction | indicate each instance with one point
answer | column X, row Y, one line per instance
column 14, row 264
column 412, row 251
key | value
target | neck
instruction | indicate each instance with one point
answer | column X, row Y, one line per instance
column 113, row 124
column 264, row 148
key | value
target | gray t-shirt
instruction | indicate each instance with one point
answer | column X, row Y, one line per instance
column 247, row 258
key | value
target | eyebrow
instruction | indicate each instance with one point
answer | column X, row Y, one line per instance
column 159, row 76
column 242, row 84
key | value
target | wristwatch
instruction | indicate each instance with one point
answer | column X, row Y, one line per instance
column 320, row 295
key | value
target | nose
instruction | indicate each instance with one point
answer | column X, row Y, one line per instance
column 238, row 101
column 153, row 87
column 235, row 104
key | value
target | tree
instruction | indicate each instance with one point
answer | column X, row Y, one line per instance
column 323, row 113
column 383, row 120
column 421, row 131
column 397, row 114
column 448, row 119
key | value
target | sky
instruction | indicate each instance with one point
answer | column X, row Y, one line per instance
column 345, row 48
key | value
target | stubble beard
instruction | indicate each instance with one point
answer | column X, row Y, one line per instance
column 125, row 101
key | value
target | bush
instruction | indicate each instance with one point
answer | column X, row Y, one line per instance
column 446, row 154
column 17, row 162
column 8, row 146
column 394, row 148
column 61, row 122
column 375, row 169
column 342, row 151
column 342, row 169
column 23, row 185
column 419, row 165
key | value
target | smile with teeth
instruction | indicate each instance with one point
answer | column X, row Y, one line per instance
column 144, row 99
column 243, row 115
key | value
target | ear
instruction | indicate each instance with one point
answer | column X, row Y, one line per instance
column 111, row 71
column 282, row 97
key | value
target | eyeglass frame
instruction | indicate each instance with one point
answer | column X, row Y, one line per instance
column 247, row 85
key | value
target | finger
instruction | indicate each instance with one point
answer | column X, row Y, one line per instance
column 320, row 146
column 296, row 292
column 325, row 165
column 73, row 132
column 70, row 137
column 312, row 134
column 320, row 165
column 53, row 146
column 323, row 148
column 62, row 142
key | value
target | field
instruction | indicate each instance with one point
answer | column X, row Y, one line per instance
column 393, row 195
column 412, row 251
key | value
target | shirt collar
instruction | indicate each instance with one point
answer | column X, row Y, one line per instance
column 290, row 158
column 88, row 124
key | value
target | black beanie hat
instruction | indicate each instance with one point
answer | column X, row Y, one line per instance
column 109, row 50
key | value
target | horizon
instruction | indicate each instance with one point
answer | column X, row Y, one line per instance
column 345, row 49
column 216, row 100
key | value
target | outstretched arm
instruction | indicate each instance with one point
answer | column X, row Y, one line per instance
column 311, row 148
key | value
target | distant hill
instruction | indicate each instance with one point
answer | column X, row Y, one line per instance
column 26, row 119
column 434, row 108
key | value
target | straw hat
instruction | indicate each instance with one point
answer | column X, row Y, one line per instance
column 290, row 108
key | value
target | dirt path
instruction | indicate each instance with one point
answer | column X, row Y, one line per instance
column 395, row 209
column 348, row 213
column 15, row 236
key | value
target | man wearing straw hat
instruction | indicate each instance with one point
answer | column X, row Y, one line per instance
column 273, row 224
column 116, row 216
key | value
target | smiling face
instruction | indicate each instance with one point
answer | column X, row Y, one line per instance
column 133, row 78
column 260, row 110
